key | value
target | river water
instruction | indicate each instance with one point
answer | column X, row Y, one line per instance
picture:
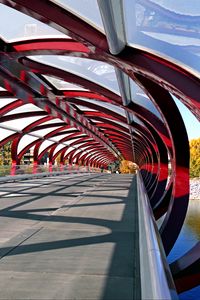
column 189, row 236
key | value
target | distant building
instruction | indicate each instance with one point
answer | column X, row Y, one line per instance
column 28, row 157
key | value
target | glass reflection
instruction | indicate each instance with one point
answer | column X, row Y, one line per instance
column 167, row 27
column 17, row 26
column 63, row 85
column 80, row 8
column 95, row 71
column 139, row 97
column 135, row 119
column 109, row 106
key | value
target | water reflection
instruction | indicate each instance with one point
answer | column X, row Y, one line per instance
column 190, row 233
column 193, row 218
column 189, row 236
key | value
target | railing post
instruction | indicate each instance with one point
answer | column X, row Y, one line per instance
column 50, row 167
column 13, row 169
column 35, row 167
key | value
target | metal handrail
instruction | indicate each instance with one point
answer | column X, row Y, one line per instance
column 32, row 169
column 156, row 279
column 21, row 172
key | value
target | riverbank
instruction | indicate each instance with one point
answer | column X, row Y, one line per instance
column 195, row 188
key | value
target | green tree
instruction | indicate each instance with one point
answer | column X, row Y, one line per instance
column 5, row 154
column 195, row 158
column 114, row 166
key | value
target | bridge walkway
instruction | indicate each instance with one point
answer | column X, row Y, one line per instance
column 70, row 237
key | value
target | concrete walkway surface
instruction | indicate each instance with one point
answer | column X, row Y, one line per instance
column 70, row 238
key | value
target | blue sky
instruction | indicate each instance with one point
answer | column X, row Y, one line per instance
column 191, row 123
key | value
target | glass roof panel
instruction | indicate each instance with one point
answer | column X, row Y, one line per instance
column 168, row 28
column 109, row 106
column 92, row 155
column 183, row 7
column 59, row 147
column 79, row 145
column 95, row 71
column 59, row 137
column 83, row 153
column 24, row 108
column 95, row 121
column 135, row 119
column 77, row 151
column 53, row 121
column 63, row 85
column 5, row 133
column 45, row 144
column 192, row 125
column 71, row 141
column 24, row 141
column 43, row 132
column 2, row 89
column 6, row 101
column 116, row 122
column 17, row 26
column 68, row 150
column 139, row 97
column 85, row 108
column 68, row 142
column 20, row 124
column 85, row 9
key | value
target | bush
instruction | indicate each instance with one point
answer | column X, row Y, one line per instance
column 195, row 158
column 128, row 167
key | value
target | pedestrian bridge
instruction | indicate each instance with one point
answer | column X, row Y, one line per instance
column 95, row 84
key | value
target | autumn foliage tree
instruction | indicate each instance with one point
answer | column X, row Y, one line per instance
column 5, row 154
column 127, row 167
column 195, row 158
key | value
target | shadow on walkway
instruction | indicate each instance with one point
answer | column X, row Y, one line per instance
column 104, row 246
